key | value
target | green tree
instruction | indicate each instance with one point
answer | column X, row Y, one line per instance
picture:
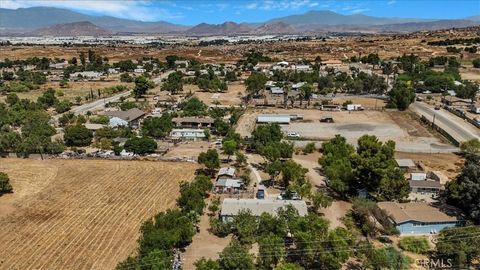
column 77, row 135
column 142, row 84
column 401, row 96
column 141, row 145
column 48, row 98
column 255, row 83
column 235, row 256
column 174, row 83
column 229, row 147
column 289, row 266
column 476, row 63
column 194, row 107
column 414, row 244
column 320, row 200
column 157, row 127
column 460, row 245
column 464, row 191
column 471, row 147
column 207, row 264
column 210, row 159
column 306, row 92
column 245, row 225
column 271, row 250
column 5, row 186
column 387, row 258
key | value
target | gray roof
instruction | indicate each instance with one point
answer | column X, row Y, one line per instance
column 230, row 171
column 425, row 184
column 231, row 207
column 130, row 115
column 405, row 162
column 229, row 182
column 198, row 120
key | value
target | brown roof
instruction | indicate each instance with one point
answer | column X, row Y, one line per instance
column 200, row 120
column 425, row 184
column 414, row 211
column 130, row 115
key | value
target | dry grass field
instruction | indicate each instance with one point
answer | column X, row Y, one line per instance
column 73, row 90
column 81, row 214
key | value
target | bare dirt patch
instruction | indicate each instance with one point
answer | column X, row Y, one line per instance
column 85, row 214
column 448, row 164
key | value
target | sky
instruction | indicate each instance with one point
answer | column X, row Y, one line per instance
column 191, row 12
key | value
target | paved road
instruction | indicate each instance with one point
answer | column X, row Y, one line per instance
column 456, row 127
column 100, row 104
column 97, row 104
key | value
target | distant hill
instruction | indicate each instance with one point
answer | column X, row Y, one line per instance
column 325, row 17
column 275, row 28
column 433, row 25
column 219, row 29
column 473, row 18
column 72, row 29
column 27, row 19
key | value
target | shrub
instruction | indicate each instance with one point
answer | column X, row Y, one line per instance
column 414, row 244
column 309, row 148
column 5, row 186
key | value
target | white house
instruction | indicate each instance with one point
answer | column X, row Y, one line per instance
column 189, row 134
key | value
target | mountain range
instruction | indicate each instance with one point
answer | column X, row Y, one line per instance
column 56, row 21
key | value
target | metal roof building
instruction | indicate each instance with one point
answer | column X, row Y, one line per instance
column 272, row 118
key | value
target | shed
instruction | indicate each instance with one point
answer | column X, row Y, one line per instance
column 189, row 134
column 405, row 163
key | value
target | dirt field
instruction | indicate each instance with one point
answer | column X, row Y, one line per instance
column 81, row 214
column 231, row 98
column 408, row 134
column 448, row 164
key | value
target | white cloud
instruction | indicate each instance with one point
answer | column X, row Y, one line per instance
column 138, row 10
column 358, row 11
column 280, row 4
column 391, row 2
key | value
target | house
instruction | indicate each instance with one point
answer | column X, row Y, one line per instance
column 331, row 107
column 226, row 172
column 272, row 118
column 131, row 117
column 276, row 90
column 418, row 217
column 60, row 65
column 405, row 164
column 300, row 68
column 139, row 70
column 188, row 133
column 418, row 176
column 192, row 122
column 229, row 185
column 297, row 86
column 182, row 63
column 232, row 207
column 425, row 186
column 89, row 75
